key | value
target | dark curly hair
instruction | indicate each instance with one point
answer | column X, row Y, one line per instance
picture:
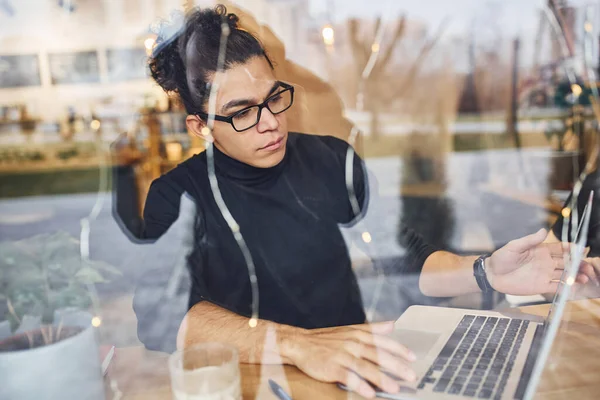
column 182, row 64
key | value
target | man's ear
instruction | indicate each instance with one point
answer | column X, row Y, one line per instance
column 198, row 127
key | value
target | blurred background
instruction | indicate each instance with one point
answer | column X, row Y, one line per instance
column 474, row 116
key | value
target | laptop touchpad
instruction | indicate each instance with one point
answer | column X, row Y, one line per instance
column 420, row 342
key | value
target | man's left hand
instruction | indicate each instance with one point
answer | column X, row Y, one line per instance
column 527, row 266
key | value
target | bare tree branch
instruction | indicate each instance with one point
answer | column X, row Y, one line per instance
column 357, row 46
column 398, row 34
column 424, row 52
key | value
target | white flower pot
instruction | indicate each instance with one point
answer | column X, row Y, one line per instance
column 67, row 369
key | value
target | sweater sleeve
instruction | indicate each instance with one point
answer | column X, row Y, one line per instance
column 162, row 207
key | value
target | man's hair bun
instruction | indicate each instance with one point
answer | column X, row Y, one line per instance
column 166, row 67
column 184, row 59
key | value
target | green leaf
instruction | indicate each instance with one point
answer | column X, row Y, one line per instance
column 45, row 272
column 88, row 275
column 99, row 265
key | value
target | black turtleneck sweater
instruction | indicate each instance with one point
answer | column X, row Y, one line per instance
column 290, row 217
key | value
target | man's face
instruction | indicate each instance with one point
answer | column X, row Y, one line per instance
column 241, row 86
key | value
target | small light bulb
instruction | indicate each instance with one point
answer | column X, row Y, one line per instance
column 570, row 280
column 566, row 212
column 375, row 47
column 366, row 237
column 576, row 89
column 149, row 43
column 95, row 124
column 252, row 322
column 328, row 35
column 96, row 322
column 205, row 131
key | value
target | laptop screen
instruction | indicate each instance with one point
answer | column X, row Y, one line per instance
column 579, row 238
column 573, row 260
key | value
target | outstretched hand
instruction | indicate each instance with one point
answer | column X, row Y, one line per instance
column 528, row 266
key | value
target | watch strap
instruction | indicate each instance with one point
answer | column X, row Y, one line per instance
column 480, row 274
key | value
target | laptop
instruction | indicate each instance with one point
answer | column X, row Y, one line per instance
column 484, row 354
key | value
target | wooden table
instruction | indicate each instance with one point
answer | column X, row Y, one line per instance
column 572, row 372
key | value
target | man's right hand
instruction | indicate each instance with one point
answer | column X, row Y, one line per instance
column 351, row 355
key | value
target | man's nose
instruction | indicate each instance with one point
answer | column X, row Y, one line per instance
column 268, row 121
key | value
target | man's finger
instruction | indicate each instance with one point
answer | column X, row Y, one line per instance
column 588, row 270
column 527, row 242
column 582, row 279
column 371, row 373
column 552, row 287
column 388, row 344
column 558, row 264
column 559, row 249
column 557, row 274
column 382, row 358
column 355, row 383
column 595, row 263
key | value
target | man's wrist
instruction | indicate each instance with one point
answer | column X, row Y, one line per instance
column 287, row 341
column 489, row 271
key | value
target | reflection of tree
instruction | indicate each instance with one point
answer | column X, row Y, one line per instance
column 492, row 81
column 381, row 88
column 487, row 84
column 369, row 89
column 424, row 89
column 425, row 206
column 469, row 102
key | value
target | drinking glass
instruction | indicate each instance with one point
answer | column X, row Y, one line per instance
column 208, row 371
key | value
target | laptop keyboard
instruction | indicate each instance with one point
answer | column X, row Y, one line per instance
column 477, row 358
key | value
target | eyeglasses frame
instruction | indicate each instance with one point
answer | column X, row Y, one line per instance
column 264, row 104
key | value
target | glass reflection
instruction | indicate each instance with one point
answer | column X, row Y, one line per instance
column 421, row 136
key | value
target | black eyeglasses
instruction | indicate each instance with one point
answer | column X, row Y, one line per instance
column 248, row 117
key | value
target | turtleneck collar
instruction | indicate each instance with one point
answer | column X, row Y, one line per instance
column 245, row 174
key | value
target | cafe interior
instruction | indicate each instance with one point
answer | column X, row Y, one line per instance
column 446, row 132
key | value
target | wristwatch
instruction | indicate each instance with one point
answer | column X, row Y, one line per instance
column 480, row 274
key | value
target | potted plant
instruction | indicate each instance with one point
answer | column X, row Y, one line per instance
column 48, row 345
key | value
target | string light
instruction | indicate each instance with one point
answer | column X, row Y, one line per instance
column 570, row 280
column 328, row 35
column 366, row 237
column 149, row 45
column 96, row 321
